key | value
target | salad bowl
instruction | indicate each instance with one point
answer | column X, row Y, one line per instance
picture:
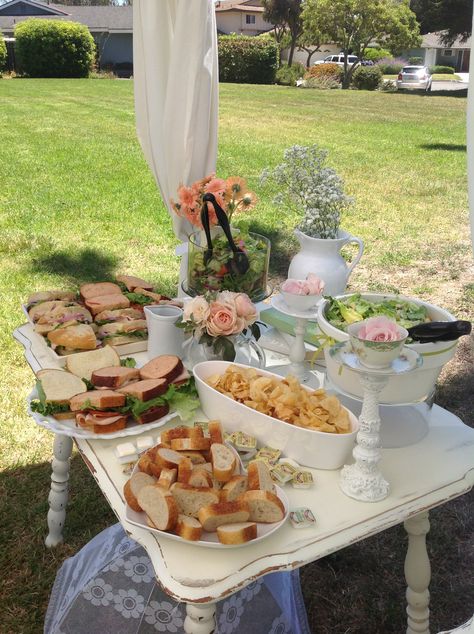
column 337, row 313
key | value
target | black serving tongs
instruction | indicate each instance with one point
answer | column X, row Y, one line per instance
column 239, row 262
column 433, row 331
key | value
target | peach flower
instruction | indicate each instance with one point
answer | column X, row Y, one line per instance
column 223, row 321
column 379, row 329
column 246, row 308
column 196, row 310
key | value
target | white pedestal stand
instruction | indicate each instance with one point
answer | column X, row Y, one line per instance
column 363, row 480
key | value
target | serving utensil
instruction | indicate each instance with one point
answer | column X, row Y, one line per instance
column 433, row 331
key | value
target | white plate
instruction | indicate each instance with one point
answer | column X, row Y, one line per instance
column 409, row 360
column 69, row 428
column 210, row 540
column 281, row 306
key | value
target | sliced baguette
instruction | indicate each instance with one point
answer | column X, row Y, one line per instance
column 181, row 432
column 216, row 433
column 264, row 506
column 133, row 486
column 231, row 490
column 231, row 534
column 146, row 464
column 195, row 456
column 188, row 528
column 168, row 458
column 145, row 390
column 160, row 507
column 223, row 462
column 259, row 476
column 222, row 513
column 201, row 478
column 59, row 386
column 102, row 399
column 191, row 499
column 114, row 376
column 185, row 468
column 166, row 366
column 84, row 364
column 190, row 444
column 167, row 477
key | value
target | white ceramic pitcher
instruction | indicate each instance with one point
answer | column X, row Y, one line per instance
column 163, row 335
column 322, row 256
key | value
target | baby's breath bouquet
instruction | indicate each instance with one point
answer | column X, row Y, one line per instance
column 309, row 187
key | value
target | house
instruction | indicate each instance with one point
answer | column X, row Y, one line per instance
column 436, row 53
column 243, row 18
column 111, row 27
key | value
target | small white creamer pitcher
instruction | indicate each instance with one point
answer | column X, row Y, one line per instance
column 164, row 337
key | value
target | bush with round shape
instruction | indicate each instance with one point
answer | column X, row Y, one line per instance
column 54, row 48
column 247, row 60
column 376, row 54
column 416, row 61
column 321, row 83
column 329, row 70
column 3, row 53
column 441, row 70
column 288, row 75
column 367, row 78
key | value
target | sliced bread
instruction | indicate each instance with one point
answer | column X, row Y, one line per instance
column 167, row 477
column 222, row 513
column 181, row 432
column 201, row 478
column 83, row 364
column 160, row 506
column 166, row 366
column 190, row 444
column 102, row 399
column 231, row 534
column 259, row 476
column 95, row 289
column 145, row 390
column 185, row 468
column 191, row 500
column 114, row 376
column 264, row 506
column 236, row 486
column 223, row 461
column 216, row 433
column 133, row 486
column 168, row 458
column 59, row 386
column 188, row 528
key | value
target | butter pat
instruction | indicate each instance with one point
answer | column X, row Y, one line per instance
column 302, row 518
column 144, row 443
column 126, row 452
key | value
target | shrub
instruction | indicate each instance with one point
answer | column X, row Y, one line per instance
column 53, row 48
column 376, row 54
column 3, row 54
column 391, row 66
column 442, row 70
column 388, row 86
column 247, row 60
column 367, row 77
column 416, row 61
column 330, row 71
column 321, row 83
column 288, row 75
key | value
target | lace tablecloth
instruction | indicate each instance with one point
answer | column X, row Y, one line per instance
column 110, row 587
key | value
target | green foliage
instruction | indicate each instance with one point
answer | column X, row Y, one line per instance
column 285, row 15
column 367, row 77
column 325, row 71
column 321, row 83
column 3, row 53
column 441, row 70
column 288, row 75
column 247, row 60
column 453, row 17
column 388, row 22
column 390, row 69
column 376, row 54
column 53, row 48
column 416, row 61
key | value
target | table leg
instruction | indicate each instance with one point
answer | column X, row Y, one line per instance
column 58, row 494
column 417, row 575
column 200, row 618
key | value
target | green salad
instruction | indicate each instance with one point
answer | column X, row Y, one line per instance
column 340, row 313
column 217, row 274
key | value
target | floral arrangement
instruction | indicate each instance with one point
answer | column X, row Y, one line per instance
column 231, row 194
column 380, row 329
column 308, row 186
column 214, row 318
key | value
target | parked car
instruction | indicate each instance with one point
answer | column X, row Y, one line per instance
column 414, row 78
column 338, row 59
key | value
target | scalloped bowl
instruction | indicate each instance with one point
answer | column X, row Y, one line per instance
column 310, row 448
column 300, row 302
column 412, row 387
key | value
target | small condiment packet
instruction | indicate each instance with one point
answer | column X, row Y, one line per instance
column 127, row 468
column 229, row 437
column 302, row 480
column 243, row 441
column 245, row 456
column 291, row 462
column 204, row 426
column 144, row 443
column 302, row 518
column 289, row 466
column 280, row 474
column 126, row 452
column 268, row 455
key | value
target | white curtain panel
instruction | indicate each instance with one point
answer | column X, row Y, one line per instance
column 470, row 143
column 176, row 92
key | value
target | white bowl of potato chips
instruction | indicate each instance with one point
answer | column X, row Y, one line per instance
column 307, row 425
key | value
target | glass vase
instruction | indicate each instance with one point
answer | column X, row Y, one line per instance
column 247, row 351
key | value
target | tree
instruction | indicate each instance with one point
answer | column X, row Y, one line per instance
column 453, row 17
column 354, row 24
column 310, row 43
column 285, row 15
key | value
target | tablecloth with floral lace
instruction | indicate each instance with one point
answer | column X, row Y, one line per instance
column 110, row 587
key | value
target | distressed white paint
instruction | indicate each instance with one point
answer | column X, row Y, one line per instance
column 417, row 574
column 58, row 494
column 200, row 618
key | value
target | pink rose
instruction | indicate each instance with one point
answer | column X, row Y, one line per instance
column 227, row 298
column 246, row 308
column 379, row 329
column 314, row 284
column 197, row 310
column 295, row 287
column 223, row 321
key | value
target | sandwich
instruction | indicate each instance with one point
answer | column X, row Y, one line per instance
column 55, row 388
column 97, row 289
column 47, row 296
column 73, row 339
column 43, row 308
column 62, row 317
column 120, row 314
column 99, row 303
column 84, row 364
column 100, row 411
column 130, row 283
column 120, row 332
column 144, row 297
column 114, row 376
column 148, row 399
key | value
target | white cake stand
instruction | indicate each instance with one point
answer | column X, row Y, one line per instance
column 363, row 480
column 298, row 366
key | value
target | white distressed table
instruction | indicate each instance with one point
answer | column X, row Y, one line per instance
column 424, row 475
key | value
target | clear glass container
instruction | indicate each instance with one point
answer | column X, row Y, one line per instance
column 247, row 352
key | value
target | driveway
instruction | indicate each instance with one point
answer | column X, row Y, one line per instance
column 448, row 85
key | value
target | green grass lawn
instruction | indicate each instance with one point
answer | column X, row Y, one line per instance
column 78, row 203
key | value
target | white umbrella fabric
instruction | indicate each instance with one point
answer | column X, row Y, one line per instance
column 176, row 93
column 470, row 144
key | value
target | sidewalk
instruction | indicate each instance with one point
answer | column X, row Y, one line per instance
column 464, row 77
